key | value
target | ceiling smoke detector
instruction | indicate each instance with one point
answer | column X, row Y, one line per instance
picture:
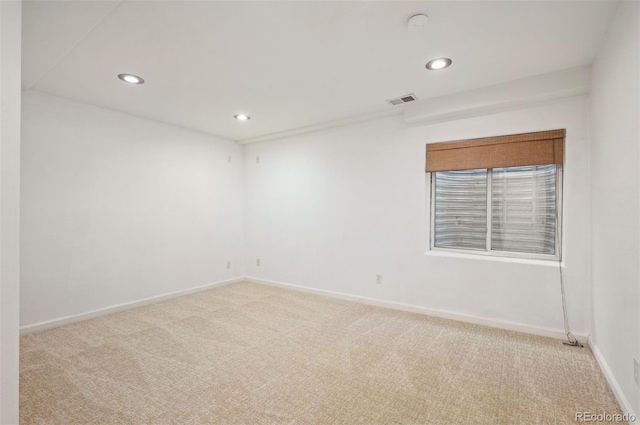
column 402, row 99
column 417, row 22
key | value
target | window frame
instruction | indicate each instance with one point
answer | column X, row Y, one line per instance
column 487, row 251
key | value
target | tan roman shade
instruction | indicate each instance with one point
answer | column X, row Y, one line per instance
column 516, row 150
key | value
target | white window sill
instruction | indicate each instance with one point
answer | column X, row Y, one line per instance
column 488, row 257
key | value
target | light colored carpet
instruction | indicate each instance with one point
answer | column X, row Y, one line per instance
column 254, row 354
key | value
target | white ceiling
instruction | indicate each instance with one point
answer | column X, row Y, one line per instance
column 292, row 64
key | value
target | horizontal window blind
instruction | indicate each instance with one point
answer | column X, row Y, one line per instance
column 539, row 148
column 524, row 209
column 461, row 209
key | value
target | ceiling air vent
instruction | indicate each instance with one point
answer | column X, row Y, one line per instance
column 402, row 99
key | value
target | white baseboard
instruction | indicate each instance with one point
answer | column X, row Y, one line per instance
column 48, row 324
column 495, row 323
column 613, row 383
column 461, row 317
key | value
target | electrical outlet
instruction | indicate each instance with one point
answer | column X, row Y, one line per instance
column 379, row 279
column 636, row 371
column 229, row 159
column 258, row 262
column 228, row 264
column 258, row 159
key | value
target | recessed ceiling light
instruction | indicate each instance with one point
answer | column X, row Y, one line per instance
column 242, row 117
column 131, row 79
column 437, row 64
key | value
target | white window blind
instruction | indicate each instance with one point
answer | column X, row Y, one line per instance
column 524, row 209
column 506, row 211
column 461, row 209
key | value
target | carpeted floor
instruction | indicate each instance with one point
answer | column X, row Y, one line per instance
column 254, row 354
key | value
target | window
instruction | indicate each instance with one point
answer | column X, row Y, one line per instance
column 499, row 210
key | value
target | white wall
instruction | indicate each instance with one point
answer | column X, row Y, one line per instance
column 330, row 210
column 615, row 201
column 10, row 34
column 117, row 208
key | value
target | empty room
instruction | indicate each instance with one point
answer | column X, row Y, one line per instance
column 319, row 212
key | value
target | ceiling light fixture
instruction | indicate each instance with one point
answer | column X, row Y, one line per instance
column 242, row 117
column 438, row 64
column 131, row 79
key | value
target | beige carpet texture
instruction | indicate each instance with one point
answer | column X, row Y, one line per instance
column 255, row 354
